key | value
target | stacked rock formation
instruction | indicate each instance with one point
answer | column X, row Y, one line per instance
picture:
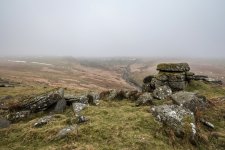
column 173, row 75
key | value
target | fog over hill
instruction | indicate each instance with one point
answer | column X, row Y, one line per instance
column 100, row 28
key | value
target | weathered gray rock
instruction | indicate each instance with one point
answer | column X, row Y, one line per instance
column 60, row 106
column 43, row 121
column 132, row 95
column 176, row 117
column 116, row 95
column 173, row 67
column 93, row 98
column 4, row 123
column 212, row 80
column 77, row 107
column 162, row 92
column 65, row 131
column 17, row 116
column 144, row 99
column 199, row 77
column 146, row 87
column 155, row 83
column 81, row 119
column 42, row 102
column 190, row 100
column 76, row 99
column 148, row 79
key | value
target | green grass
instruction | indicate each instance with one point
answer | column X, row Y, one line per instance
column 208, row 90
column 111, row 125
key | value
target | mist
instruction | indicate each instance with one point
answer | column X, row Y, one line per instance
column 112, row 28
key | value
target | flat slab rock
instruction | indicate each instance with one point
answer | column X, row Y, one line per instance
column 173, row 116
column 173, row 67
column 189, row 100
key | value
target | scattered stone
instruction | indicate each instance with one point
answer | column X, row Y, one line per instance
column 43, row 121
column 132, row 95
column 173, row 67
column 190, row 100
column 65, row 131
column 93, row 98
column 77, row 107
column 14, row 117
column 116, row 95
column 4, row 123
column 60, row 106
column 206, row 123
column 144, row 99
column 162, row 92
column 212, row 80
column 176, row 117
column 81, row 119
column 199, row 77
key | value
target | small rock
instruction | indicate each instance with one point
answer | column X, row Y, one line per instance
column 116, row 95
column 206, row 123
column 162, row 92
column 77, row 107
column 4, row 123
column 65, row 131
column 132, row 95
column 43, row 121
column 93, row 98
column 212, row 80
column 81, row 119
column 144, row 99
column 199, row 77
column 18, row 115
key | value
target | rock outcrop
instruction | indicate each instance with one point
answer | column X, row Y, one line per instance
column 174, row 75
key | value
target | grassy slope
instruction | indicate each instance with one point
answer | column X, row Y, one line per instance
column 112, row 125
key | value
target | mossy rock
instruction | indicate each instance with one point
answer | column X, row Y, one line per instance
column 173, row 67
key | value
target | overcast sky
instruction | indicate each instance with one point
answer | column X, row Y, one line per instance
column 171, row 28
